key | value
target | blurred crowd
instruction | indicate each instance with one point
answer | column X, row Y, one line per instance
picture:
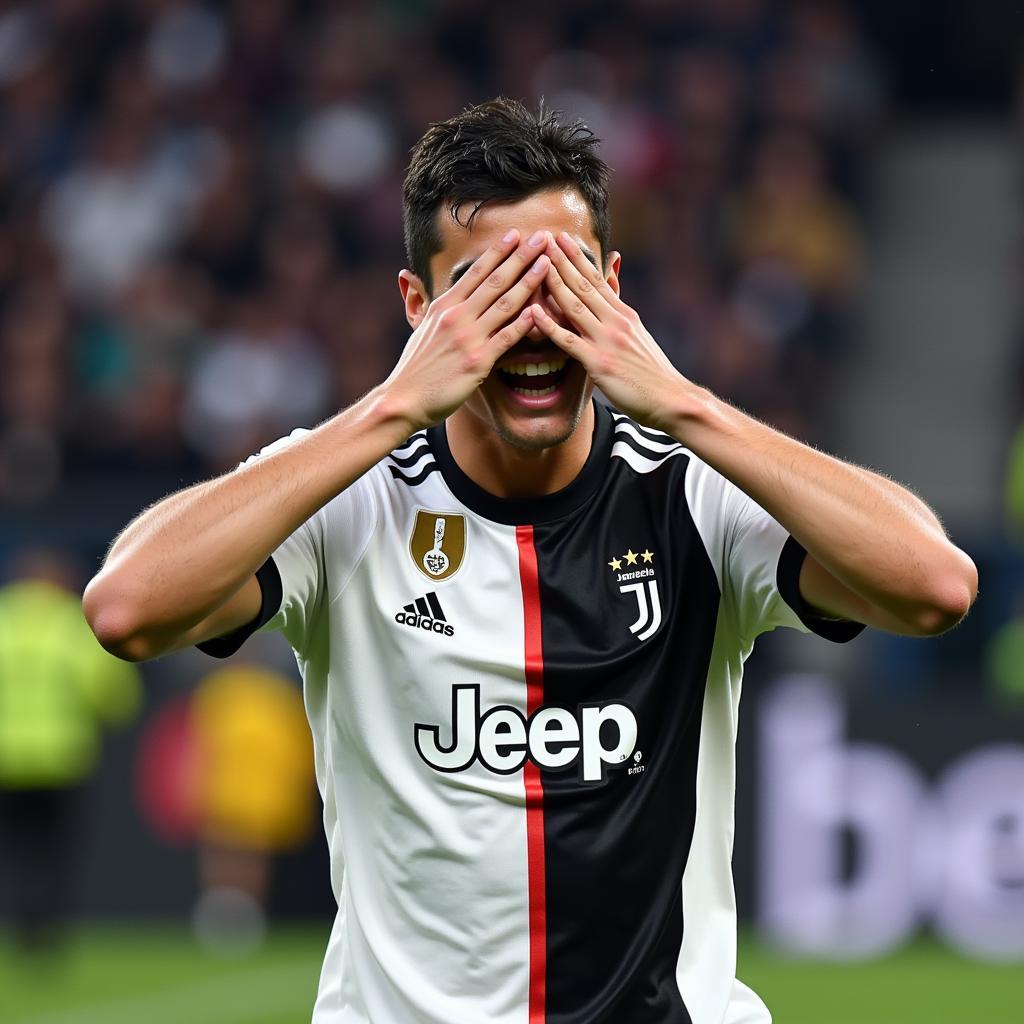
column 200, row 227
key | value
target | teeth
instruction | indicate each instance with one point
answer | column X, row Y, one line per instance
column 535, row 392
column 534, row 369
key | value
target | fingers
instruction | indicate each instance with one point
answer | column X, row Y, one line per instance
column 580, row 286
column 512, row 301
column 483, row 266
column 586, row 280
column 489, row 287
column 570, row 303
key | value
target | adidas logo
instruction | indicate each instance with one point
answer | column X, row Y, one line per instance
column 425, row 613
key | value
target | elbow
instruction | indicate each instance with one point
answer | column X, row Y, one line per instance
column 955, row 591
column 125, row 645
column 114, row 623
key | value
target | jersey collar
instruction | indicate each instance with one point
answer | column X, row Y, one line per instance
column 521, row 511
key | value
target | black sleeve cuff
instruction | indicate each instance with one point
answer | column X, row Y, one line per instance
column 787, row 579
column 270, row 586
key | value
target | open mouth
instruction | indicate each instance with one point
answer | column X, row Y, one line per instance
column 534, row 380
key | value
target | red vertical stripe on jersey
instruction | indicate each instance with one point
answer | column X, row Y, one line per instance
column 531, row 774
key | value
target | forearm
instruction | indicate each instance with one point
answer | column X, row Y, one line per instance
column 189, row 553
column 875, row 537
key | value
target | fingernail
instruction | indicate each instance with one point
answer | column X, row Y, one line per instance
column 536, row 238
column 509, row 236
column 565, row 237
column 540, row 265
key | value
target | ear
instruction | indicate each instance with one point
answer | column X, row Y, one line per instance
column 415, row 297
column 611, row 274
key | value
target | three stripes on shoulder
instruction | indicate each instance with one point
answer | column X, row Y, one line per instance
column 641, row 448
column 414, row 461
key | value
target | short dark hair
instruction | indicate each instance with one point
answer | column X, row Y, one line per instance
column 498, row 151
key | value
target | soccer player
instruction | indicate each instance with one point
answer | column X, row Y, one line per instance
column 522, row 616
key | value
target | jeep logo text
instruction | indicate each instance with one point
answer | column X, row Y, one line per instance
column 596, row 737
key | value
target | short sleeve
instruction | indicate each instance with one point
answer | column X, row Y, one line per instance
column 295, row 579
column 756, row 560
column 787, row 579
column 300, row 565
column 269, row 579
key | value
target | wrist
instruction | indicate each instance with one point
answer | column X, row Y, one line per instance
column 691, row 409
column 390, row 411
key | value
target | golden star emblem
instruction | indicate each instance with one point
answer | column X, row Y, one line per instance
column 615, row 564
column 648, row 556
column 631, row 557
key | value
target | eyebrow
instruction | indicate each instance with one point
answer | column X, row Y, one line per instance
column 463, row 265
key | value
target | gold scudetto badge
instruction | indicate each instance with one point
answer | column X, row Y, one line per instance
column 438, row 543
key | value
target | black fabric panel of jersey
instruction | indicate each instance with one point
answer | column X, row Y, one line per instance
column 615, row 851
column 787, row 579
column 517, row 511
column 270, row 587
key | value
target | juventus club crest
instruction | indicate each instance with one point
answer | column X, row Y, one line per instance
column 634, row 572
column 438, row 543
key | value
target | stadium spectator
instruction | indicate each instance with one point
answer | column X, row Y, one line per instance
column 58, row 688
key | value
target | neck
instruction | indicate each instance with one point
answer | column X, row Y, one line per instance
column 508, row 471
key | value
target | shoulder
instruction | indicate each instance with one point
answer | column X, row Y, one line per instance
column 657, row 460
column 646, row 450
column 410, row 463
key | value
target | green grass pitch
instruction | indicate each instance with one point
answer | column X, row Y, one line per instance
column 117, row 975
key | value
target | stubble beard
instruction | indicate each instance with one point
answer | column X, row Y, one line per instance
column 548, row 438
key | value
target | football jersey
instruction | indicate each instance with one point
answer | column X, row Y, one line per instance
column 524, row 718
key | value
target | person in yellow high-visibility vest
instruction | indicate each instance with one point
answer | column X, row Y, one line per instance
column 58, row 688
column 255, row 795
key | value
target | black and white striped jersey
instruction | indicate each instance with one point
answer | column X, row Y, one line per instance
column 524, row 715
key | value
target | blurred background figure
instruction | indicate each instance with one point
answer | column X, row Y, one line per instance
column 226, row 769
column 254, row 780
column 58, row 690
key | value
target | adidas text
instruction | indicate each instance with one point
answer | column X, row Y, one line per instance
column 424, row 622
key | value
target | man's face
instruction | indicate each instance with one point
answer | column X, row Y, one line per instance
column 525, row 408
